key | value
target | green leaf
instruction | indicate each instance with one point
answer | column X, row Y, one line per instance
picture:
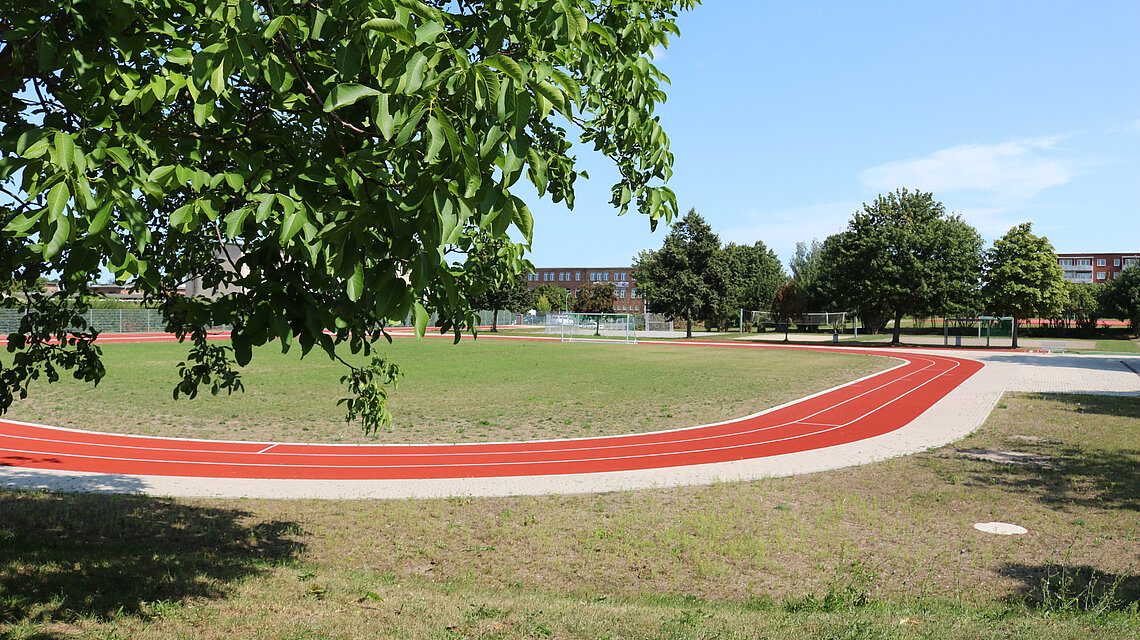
column 25, row 221
column 179, row 56
column 524, row 220
column 57, row 199
column 293, row 220
column 393, row 28
column 551, row 93
column 272, row 28
column 569, row 84
column 99, row 222
column 37, row 149
column 343, row 95
column 428, row 32
column 384, row 117
column 183, row 217
column 355, row 284
column 383, row 25
column 415, row 72
column 203, row 109
column 121, row 157
column 265, row 201
column 436, row 139
column 508, row 66
column 318, row 24
column 409, row 128
column 59, row 238
column 277, row 75
column 421, row 319
column 391, row 298
column 64, row 149
column 235, row 220
column 243, row 350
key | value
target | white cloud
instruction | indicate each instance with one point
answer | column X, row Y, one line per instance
column 781, row 230
column 1131, row 127
column 1013, row 171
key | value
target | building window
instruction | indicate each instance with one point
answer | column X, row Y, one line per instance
column 578, row 276
column 1116, row 262
column 1100, row 276
column 1084, row 262
column 1065, row 262
column 606, row 276
column 1100, row 262
column 1128, row 262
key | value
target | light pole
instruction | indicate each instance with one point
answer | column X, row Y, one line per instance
column 566, row 302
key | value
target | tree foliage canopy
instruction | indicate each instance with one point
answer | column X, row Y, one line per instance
column 754, row 274
column 1023, row 278
column 687, row 275
column 903, row 255
column 1122, row 296
column 557, row 297
column 355, row 151
column 595, row 297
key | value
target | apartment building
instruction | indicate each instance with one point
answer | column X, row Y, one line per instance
column 571, row 278
column 1092, row 268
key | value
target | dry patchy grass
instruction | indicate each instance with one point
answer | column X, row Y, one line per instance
column 881, row 551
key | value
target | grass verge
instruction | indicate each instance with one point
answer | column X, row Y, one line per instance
column 881, row 551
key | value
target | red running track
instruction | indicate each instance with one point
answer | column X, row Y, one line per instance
column 862, row 409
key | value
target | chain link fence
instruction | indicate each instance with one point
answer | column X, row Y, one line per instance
column 105, row 321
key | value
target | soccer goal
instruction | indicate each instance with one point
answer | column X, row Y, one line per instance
column 762, row 320
column 596, row 327
column 834, row 320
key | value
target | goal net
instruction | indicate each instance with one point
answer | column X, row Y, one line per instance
column 761, row 319
column 814, row 321
column 601, row 327
column 834, row 320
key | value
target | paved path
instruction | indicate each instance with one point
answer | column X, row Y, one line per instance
column 930, row 400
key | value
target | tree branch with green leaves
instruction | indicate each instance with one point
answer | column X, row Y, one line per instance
column 353, row 151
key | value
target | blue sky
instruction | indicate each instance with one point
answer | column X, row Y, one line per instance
column 786, row 116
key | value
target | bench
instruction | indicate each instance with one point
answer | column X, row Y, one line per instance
column 1051, row 346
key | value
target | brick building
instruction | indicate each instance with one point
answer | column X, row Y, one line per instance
column 1092, row 268
column 570, row 278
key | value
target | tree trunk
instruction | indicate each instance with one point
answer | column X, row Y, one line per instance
column 1013, row 332
column 688, row 326
column 898, row 329
column 494, row 321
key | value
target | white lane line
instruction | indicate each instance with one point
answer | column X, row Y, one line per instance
column 267, row 448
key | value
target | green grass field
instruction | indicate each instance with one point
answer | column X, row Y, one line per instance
column 477, row 390
column 881, row 551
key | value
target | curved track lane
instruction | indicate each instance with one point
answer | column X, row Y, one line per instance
column 862, row 409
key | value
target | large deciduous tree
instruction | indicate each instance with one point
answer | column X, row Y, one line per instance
column 1084, row 304
column 595, row 297
column 1022, row 277
column 754, row 274
column 903, row 255
column 1122, row 297
column 353, row 151
column 687, row 275
column 557, row 297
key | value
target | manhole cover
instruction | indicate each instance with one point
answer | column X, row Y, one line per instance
column 1001, row 528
